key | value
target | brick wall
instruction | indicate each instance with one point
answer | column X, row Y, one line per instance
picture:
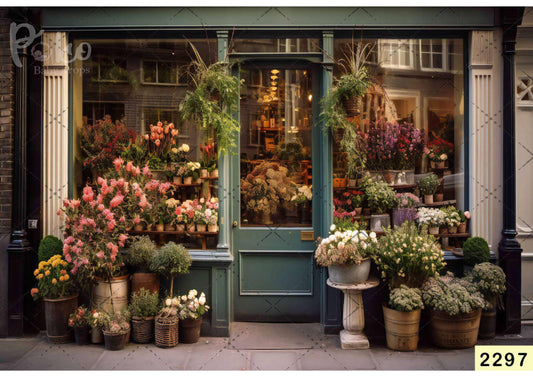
column 7, row 84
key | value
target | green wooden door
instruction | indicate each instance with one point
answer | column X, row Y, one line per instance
column 275, row 278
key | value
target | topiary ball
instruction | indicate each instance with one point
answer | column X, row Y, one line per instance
column 476, row 250
column 49, row 246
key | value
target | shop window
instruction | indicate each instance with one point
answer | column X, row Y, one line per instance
column 409, row 125
column 275, row 147
column 275, row 45
column 142, row 124
column 155, row 72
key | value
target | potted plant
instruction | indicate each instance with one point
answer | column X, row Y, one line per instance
column 171, row 260
column 302, row 198
column 181, row 217
column 59, row 294
column 428, row 187
column 346, row 254
column 96, row 322
column 209, row 160
column 186, row 212
column 431, row 218
column 79, row 320
column 381, row 199
column 192, row 174
column 490, row 281
column 167, row 324
column 438, row 150
column 461, row 228
column 405, row 208
column 475, row 250
column 191, row 311
column 169, row 217
column 200, row 219
column 144, row 306
column 211, row 214
column 140, row 255
column 452, row 219
column 356, row 201
column 48, row 247
column 211, row 103
column 402, row 318
column 455, row 313
column 116, row 330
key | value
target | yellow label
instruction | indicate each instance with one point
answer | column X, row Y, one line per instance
column 504, row 357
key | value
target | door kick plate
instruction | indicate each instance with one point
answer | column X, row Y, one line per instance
column 307, row 235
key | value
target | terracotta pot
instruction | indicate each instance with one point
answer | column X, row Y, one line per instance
column 201, row 227
column 116, row 297
column 204, row 173
column 214, row 173
column 457, row 331
column 177, row 180
column 439, row 198
column 452, row 229
column 142, row 329
column 116, row 341
column 461, row 228
column 434, row 230
column 191, row 227
column 180, row 227
column 57, row 312
column 212, row 228
column 349, row 273
column 187, row 180
column 428, row 199
column 169, row 227
column 159, row 227
column 81, row 335
column 138, row 227
column 358, row 211
column 146, row 280
column 401, row 329
column 189, row 331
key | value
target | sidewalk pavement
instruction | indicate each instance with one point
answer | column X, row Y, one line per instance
column 252, row 346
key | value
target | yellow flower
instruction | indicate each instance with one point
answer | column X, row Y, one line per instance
column 54, row 281
column 40, row 276
column 61, row 278
column 36, row 272
column 47, row 272
column 66, row 277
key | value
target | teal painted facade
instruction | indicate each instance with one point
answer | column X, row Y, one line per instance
column 261, row 274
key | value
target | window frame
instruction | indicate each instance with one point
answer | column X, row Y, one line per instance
column 177, row 73
column 410, row 44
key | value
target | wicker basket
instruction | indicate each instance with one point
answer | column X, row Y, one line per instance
column 166, row 332
column 142, row 329
column 351, row 106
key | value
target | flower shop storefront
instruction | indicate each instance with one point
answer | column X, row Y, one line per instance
column 248, row 175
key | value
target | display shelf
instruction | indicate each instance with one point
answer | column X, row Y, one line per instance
column 187, row 185
column 408, row 186
column 452, row 235
column 202, row 236
column 439, row 204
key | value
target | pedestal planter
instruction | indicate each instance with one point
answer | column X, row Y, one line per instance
column 428, row 199
column 81, row 335
column 353, row 315
column 96, row 335
column 116, row 341
column 57, row 312
column 190, row 330
column 401, row 329
column 166, row 332
column 457, row 331
column 146, row 280
column 349, row 273
column 378, row 222
column 142, row 329
column 401, row 215
column 487, row 323
column 111, row 295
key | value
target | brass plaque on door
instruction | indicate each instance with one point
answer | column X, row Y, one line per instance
column 307, row 235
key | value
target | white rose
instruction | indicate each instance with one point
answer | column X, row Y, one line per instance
column 168, row 302
column 332, row 228
column 443, row 156
column 337, row 234
column 372, row 235
column 183, row 298
column 195, row 292
column 331, row 238
column 175, row 301
column 201, row 301
column 185, row 148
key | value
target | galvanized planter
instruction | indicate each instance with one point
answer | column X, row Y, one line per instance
column 350, row 273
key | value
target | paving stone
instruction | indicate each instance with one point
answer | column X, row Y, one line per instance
column 462, row 360
column 274, row 360
column 386, row 359
column 336, row 359
column 223, row 359
column 272, row 336
column 11, row 350
column 141, row 357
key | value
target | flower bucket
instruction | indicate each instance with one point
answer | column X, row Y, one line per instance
column 201, row 227
column 169, row 228
column 159, row 227
column 358, row 211
column 138, row 227
column 116, row 341
column 116, row 297
column 142, row 329
column 428, row 199
column 81, row 335
column 455, row 331
column 204, row 173
column 146, row 280
column 440, row 164
column 57, row 312
column 96, row 335
column 378, row 222
column 180, row 227
column 190, row 330
column 401, row 215
column 166, row 332
column 439, row 197
column 191, row 227
column 401, row 329
column 349, row 273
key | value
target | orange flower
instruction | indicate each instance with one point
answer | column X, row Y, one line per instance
column 61, row 278
column 33, row 291
column 66, row 277
column 62, row 272
column 39, row 277
column 157, row 142
column 36, row 272
column 47, row 273
column 54, row 281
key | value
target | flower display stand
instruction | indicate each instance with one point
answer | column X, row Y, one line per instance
column 353, row 315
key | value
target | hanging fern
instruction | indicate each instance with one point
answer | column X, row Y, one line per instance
column 214, row 98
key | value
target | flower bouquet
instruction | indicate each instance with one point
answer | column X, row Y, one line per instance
column 190, row 312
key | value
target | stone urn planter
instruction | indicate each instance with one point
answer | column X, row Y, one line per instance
column 349, row 273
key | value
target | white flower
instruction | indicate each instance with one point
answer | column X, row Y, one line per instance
column 195, row 292
column 331, row 238
column 372, row 235
column 362, row 236
column 340, row 245
column 332, row 228
column 201, row 301
column 443, row 156
column 175, row 301
column 202, row 294
column 183, row 298
column 168, row 302
column 184, row 148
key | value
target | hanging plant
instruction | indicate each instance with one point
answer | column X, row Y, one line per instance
column 214, row 98
column 352, row 84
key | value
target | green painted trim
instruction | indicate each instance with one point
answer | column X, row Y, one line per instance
column 266, row 17
column 211, row 257
column 70, row 189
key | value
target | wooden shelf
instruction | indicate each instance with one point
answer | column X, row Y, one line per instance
column 407, row 186
column 187, row 185
column 452, row 235
column 439, row 204
column 202, row 236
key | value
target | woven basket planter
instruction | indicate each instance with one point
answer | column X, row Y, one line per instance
column 142, row 329
column 166, row 332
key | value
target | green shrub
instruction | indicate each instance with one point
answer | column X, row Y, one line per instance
column 170, row 260
column 490, row 280
column 405, row 299
column 381, row 197
column 429, row 185
column 144, row 304
column 141, row 252
column 476, row 250
column 50, row 246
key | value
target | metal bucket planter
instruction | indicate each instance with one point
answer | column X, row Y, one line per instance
column 487, row 323
column 142, row 329
column 401, row 215
column 81, row 335
column 378, row 222
column 457, row 331
column 113, row 295
column 96, row 335
column 146, row 280
column 349, row 273
column 190, row 330
column 401, row 329
column 57, row 312
column 116, row 341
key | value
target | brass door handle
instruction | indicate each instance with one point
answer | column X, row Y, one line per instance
column 235, row 224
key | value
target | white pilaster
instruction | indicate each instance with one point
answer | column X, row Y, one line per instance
column 485, row 134
column 54, row 130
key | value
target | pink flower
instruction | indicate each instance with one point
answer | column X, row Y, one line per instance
column 137, row 220
column 116, row 200
column 122, row 219
column 88, row 194
column 68, row 258
column 129, row 166
column 136, row 171
column 121, row 239
column 74, row 203
column 111, row 225
column 118, row 163
column 146, row 170
column 101, row 207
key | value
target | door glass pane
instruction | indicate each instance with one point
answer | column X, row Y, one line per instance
column 275, row 147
